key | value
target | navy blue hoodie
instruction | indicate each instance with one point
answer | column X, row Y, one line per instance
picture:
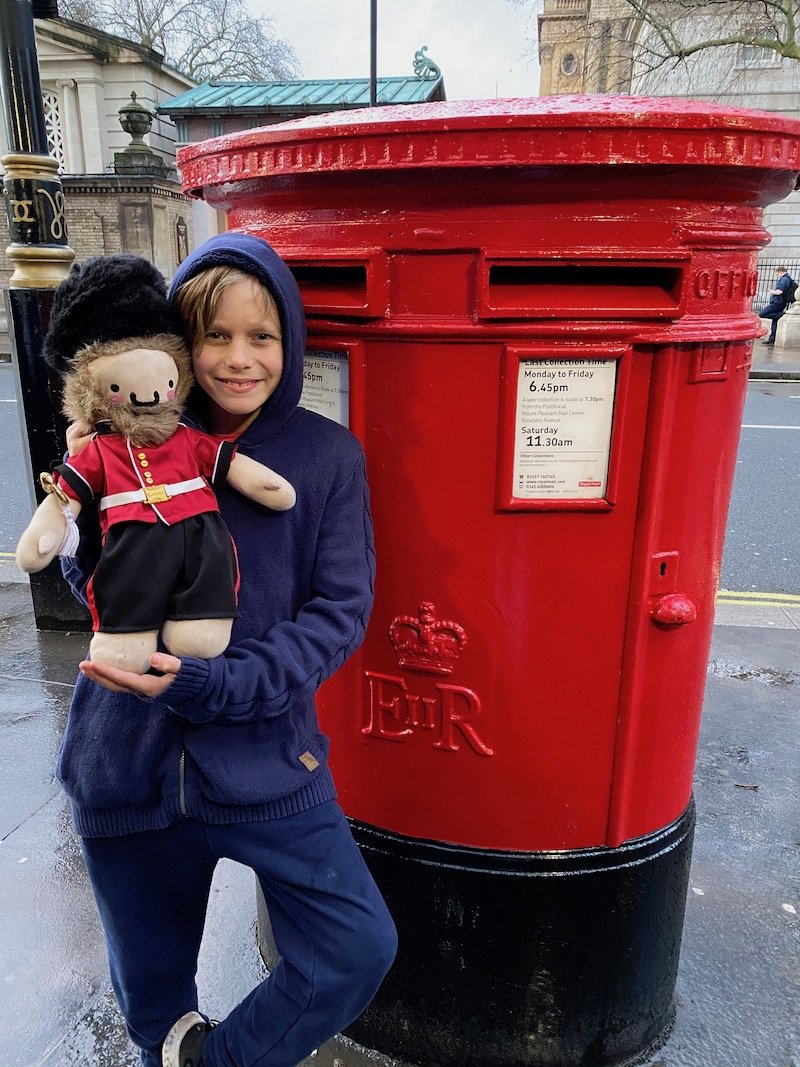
column 224, row 743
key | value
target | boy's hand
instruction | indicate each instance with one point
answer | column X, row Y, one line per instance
column 79, row 434
column 142, row 685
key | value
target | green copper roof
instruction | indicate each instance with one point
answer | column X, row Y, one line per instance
column 314, row 95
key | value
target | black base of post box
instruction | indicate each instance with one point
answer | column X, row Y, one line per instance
column 54, row 606
column 546, row 959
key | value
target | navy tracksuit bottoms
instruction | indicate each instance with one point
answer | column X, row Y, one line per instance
column 331, row 927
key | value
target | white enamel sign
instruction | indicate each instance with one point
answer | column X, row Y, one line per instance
column 326, row 385
column 563, row 424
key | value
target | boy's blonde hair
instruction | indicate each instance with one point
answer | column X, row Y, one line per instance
column 198, row 298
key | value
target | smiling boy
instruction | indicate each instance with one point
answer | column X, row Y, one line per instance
column 172, row 771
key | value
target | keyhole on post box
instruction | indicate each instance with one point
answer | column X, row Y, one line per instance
column 663, row 572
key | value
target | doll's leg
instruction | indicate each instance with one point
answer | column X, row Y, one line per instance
column 202, row 606
column 128, row 652
column 203, row 638
column 127, row 594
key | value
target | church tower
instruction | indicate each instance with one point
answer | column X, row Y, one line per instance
column 585, row 46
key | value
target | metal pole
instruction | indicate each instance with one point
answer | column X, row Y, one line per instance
column 373, row 53
column 40, row 256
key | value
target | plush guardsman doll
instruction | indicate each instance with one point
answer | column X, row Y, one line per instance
column 167, row 566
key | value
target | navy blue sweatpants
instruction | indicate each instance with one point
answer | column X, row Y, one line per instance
column 332, row 929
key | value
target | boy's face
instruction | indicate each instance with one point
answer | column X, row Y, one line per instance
column 240, row 359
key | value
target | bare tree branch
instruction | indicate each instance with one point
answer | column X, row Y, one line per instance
column 767, row 24
column 621, row 45
column 205, row 39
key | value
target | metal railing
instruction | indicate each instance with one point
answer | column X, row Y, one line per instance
column 766, row 278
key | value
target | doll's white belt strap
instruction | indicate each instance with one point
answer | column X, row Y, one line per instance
column 152, row 494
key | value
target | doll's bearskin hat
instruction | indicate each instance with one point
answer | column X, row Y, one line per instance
column 106, row 298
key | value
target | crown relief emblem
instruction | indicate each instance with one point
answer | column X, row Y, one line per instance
column 427, row 644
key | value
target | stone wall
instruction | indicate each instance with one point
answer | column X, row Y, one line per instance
column 107, row 214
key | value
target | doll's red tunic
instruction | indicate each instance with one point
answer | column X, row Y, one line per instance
column 166, row 557
column 110, row 464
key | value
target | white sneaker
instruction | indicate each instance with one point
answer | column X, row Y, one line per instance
column 184, row 1043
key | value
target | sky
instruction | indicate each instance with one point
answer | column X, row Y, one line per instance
column 483, row 47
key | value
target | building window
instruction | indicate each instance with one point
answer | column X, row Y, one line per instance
column 52, row 122
column 182, row 130
column 752, row 56
column 569, row 64
column 217, row 127
column 181, row 238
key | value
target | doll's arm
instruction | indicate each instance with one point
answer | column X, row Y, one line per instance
column 40, row 543
column 260, row 483
column 79, row 435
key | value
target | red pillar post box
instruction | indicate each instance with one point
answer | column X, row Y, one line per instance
column 536, row 316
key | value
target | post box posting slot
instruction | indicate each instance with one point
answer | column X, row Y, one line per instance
column 560, row 427
column 580, row 289
column 351, row 288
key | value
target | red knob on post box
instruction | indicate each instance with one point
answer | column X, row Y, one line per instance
column 536, row 315
column 674, row 609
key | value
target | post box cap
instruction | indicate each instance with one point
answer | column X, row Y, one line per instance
column 528, row 132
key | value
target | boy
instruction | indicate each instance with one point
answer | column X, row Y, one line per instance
column 169, row 772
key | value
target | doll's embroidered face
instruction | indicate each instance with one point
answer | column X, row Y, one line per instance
column 138, row 387
column 141, row 378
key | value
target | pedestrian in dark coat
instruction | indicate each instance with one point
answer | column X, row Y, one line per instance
column 778, row 302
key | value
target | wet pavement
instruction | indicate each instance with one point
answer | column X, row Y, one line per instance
column 739, row 982
column 778, row 361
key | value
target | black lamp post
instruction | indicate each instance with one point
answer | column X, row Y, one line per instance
column 41, row 257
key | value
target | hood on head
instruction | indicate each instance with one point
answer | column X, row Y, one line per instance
column 254, row 256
